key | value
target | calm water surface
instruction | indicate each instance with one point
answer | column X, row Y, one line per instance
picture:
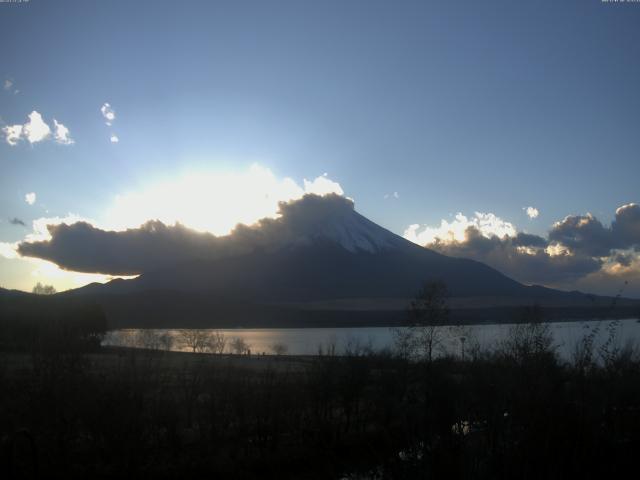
column 308, row 341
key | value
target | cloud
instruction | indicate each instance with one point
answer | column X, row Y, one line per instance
column 212, row 201
column 582, row 233
column 39, row 233
column 487, row 224
column 36, row 130
column 614, row 278
column 108, row 113
column 61, row 134
column 577, row 248
column 114, row 139
column 625, row 228
column 82, row 247
column 17, row 221
column 532, row 212
column 30, row 198
column 586, row 234
column 391, row 195
column 196, row 215
column 12, row 134
column 322, row 185
column 8, row 86
column 524, row 257
column 8, row 250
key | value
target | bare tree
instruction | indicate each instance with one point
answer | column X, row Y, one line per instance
column 40, row 289
column 530, row 338
column 239, row 346
column 279, row 348
column 202, row 341
column 215, row 342
column 192, row 339
column 428, row 312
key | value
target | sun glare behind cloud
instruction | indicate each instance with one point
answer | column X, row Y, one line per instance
column 212, row 202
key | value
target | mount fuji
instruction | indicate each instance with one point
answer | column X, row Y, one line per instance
column 319, row 263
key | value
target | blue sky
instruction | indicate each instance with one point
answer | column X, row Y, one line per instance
column 457, row 106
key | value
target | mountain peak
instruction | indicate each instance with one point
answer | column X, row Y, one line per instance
column 329, row 219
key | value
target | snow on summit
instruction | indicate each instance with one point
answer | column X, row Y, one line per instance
column 333, row 218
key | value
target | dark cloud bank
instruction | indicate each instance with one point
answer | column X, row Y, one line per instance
column 581, row 244
column 84, row 248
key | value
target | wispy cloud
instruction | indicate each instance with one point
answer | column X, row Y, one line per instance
column 108, row 113
column 9, row 86
column 391, row 195
column 30, row 198
column 17, row 221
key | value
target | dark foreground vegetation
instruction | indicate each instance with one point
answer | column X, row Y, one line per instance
column 515, row 413
column 69, row 408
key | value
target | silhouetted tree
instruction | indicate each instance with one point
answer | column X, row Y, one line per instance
column 279, row 348
column 239, row 346
column 192, row 339
column 215, row 342
column 428, row 312
column 40, row 289
column 530, row 338
column 201, row 341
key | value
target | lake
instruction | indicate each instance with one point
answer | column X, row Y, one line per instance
column 308, row 341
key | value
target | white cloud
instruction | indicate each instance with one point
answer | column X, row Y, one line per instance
column 213, row 202
column 40, row 230
column 52, row 274
column 391, row 195
column 487, row 224
column 532, row 212
column 12, row 134
column 35, row 130
column 8, row 84
column 114, row 139
column 108, row 113
column 30, row 198
column 322, row 186
column 9, row 250
column 61, row 134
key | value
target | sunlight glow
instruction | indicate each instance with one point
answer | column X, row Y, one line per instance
column 49, row 273
column 212, row 202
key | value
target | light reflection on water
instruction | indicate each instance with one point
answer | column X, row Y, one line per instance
column 308, row 341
